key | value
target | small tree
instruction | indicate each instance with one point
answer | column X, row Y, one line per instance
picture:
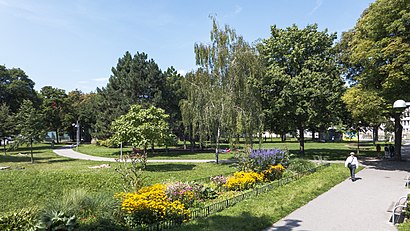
column 141, row 127
column 29, row 125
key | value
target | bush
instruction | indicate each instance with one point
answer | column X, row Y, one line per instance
column 59, row 221
column 151, row 205
column 243, row 180
column 300, row 165
column 107, row 143
column 25, row 219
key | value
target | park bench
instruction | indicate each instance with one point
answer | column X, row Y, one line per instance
column 397, row 210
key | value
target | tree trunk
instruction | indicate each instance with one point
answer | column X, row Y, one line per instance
column 302, row 141
column 398, row 129
column 217, row 146
column 184, row 142
column 4, row 145
column 313, row 134
column 283, row 137
column 31, row 150
column 152, row 149
column 375, row 134
column 358, row 140
column 57, row 137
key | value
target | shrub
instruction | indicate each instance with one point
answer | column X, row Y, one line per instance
column 150, row 205
column 107, row 143
column 243, row 180
column 25, row 219
column 300, row 165
column 57, row 220
column 131, row 173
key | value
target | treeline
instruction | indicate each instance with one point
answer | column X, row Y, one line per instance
column 297, row 79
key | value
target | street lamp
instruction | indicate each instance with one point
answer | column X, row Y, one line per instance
column 77, row 125
column 399, row 106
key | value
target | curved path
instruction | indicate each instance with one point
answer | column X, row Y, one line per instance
column 70, row 153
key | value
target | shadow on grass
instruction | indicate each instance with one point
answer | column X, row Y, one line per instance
column 169, row 167
column 245, row 221
column 332, row 154
column 19, row 159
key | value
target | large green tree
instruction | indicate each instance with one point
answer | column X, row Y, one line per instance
column 302, row 87
column 30, row 126
column 135, row 80
column 15, row 87
column 55, row 109
column 377, row 53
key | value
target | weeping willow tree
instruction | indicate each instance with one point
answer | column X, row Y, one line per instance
column 222, row 97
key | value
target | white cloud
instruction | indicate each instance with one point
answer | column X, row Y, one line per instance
column 317, row 6
column 238, row 9
column 101, row 79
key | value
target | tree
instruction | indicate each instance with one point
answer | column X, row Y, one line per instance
column 141, row 127
column 55, row 109
column 378, row 53
column 6, row 124
column 221, row 95
column 15, row 87
column 29, row 124
column 302, row 87
column 135, row 80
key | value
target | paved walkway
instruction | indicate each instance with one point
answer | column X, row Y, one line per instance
column 360, row 205
column 70, row 153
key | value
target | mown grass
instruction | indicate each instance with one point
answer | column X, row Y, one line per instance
column 329, row 151
column 260, row 212
column 26, row 185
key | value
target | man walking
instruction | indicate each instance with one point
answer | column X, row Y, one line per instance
column 352, row 163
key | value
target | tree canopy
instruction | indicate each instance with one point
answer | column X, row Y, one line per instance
column 302, row 87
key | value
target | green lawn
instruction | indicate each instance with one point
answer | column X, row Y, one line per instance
column 330, row 151
column 26, row 184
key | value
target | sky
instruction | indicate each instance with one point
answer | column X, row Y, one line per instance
column 73, row 44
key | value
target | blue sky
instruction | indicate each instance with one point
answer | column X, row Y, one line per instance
column 73, row 44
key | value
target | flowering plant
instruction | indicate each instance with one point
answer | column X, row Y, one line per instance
column 243, row 180
column 273, row 172
column 262, row 159
column 182, row 192
column 151, row 205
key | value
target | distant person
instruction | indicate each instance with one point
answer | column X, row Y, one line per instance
column 352, row 163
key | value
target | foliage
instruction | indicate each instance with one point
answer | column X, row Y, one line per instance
column 29, row 125
column 299, row 165
column 15, row 87
column 150, row 205
column 109, row 143
column 59, row 221
column 141, row 127
column 302, row 87
column 131, row 173
column 178, row 191
column 25, row 219
column 243, row 180
column 135, row 80
column 6, row 123
column 221, row 97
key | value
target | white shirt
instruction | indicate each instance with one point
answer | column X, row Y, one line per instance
column 352, row 161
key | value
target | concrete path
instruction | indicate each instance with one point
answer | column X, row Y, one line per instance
column 70, row 153
column 360, row 205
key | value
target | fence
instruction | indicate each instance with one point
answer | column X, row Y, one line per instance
column 219, row 206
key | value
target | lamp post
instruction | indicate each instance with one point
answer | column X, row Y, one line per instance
column 399, row 106
column 77, row 125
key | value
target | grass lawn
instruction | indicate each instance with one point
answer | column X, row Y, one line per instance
column 26, row 184
column 329, row 151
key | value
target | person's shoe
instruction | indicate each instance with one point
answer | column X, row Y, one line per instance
column 353, row 179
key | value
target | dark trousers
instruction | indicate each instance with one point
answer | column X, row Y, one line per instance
column 352, row 171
